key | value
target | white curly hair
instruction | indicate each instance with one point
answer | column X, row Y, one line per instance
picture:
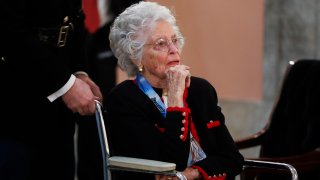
column 127, row 34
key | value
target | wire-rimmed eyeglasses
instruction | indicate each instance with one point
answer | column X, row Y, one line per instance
column 164, row 45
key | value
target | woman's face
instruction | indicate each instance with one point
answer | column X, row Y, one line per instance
column 161, row 51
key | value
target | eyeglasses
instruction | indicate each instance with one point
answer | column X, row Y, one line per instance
column 164, row 44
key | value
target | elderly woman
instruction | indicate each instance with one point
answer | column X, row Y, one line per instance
column 164, row 113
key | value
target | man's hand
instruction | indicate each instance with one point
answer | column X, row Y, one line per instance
column 94, row 88
column 80, row 98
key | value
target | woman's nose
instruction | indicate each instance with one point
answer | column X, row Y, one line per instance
column 173, row 48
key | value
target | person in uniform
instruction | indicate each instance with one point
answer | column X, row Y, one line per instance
column 44, row 88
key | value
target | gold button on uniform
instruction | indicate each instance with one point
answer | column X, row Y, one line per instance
column 65, row 19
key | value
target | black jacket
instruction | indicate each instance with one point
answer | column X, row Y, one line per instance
column 31, row 70
column 137, row 129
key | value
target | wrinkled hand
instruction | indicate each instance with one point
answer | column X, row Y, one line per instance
column 163, row 177
column 178, row 78
column 192, row 174
column 80, row 98
column 189, row 174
